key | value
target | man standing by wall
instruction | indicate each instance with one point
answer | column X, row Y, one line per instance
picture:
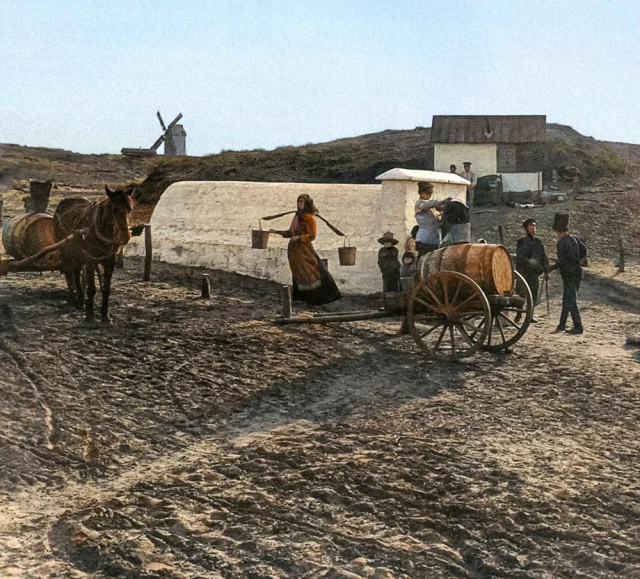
column 569, row 253
column 469, row 175
column 531, row 259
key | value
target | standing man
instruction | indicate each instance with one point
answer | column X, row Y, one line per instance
column 453, row 169
column 531, row 259
column 469, row 175
column 569, row 251
column 428, row 236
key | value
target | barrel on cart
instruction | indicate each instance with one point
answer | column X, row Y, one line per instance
column 26, row 235
column 464, row 298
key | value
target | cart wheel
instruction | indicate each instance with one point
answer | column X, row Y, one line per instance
column 509, row 324
column 448, row 315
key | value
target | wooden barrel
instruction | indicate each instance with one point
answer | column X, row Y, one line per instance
column 29, row 233
column 488, row 265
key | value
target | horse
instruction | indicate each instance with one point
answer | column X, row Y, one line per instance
column 101, row 228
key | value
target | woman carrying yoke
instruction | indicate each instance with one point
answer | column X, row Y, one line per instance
column 312, row 282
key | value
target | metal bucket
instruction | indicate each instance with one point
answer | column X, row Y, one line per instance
column 259, row 239
column 347, row 255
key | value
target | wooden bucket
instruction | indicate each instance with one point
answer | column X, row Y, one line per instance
column 488, row 265
column 347, row 254
column 259, row 239
column 28, row 234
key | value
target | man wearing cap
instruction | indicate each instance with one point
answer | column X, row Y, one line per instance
column 531, row 259
column 428, row 236
column 568, row 263
column 469, row 175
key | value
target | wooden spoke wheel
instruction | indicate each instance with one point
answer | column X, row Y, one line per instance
column 509, row 324
column 448, row 315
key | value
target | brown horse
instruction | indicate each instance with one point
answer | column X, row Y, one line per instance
column 105, row 229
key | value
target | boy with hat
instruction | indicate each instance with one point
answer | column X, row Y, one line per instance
column 531, row 259
column 388, row 263
column 569, row 250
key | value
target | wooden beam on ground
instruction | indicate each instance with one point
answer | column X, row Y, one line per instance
column 346, row 317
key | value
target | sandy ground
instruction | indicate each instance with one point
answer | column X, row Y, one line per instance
column 197, row 439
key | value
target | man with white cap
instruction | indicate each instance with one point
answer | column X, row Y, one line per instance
column 469, row 175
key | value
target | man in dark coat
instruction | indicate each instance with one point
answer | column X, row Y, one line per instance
column 569, row 250
column 531, row 259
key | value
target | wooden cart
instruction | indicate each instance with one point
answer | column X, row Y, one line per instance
column 463, row 298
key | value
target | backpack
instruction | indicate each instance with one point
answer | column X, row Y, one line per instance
column 582, row 250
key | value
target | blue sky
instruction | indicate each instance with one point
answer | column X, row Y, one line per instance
column 89, row 75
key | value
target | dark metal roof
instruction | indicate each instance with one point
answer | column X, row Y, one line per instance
column 489, row 129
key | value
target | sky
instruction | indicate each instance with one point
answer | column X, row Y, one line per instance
column 89, row 75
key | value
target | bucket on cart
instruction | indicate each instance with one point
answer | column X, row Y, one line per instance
column 347, row 254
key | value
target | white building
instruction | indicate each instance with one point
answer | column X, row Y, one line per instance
column 510, row 146
column 209, row 223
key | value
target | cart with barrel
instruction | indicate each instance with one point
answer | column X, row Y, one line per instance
column 463, row 298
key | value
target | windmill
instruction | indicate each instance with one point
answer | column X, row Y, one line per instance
column 173, row 136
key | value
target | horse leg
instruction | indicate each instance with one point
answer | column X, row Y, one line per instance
column 109, row 266
column 91, row 291
column 79, row 288
column 71, row 290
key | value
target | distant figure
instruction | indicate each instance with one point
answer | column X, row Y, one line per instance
column 407, row 270
column 453, row 169
column 428, row 237
column 570, row 251
column 312, row 282
column 388, row 263
column 469, row 175
column 531, row 259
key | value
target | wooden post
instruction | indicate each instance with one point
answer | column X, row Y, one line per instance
column 621, row 264
column 501, row 234
column 148, row 253
column 206, row 287
column 286, row 302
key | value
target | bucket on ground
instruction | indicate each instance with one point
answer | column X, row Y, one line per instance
column 347, row 254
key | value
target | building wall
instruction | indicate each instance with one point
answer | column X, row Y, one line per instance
column 481, row 156
column 521, row 181
column 208, row 224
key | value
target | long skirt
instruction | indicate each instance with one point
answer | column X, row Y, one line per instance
column 312, row 282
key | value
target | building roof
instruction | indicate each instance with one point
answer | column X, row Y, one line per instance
column 416, row 175
column 489, row 129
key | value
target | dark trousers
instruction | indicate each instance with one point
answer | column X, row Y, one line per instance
column 423, row 248
column 571, row 286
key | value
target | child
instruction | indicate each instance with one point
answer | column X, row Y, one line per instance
column 388, row 263
column 407, row 270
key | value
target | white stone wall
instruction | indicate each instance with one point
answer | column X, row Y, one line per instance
column 208, row 224
column 522, row 181
column 482, row 156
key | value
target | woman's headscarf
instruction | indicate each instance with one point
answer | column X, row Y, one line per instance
column 309, row 207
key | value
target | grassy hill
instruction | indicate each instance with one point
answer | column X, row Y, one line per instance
column 361, row 159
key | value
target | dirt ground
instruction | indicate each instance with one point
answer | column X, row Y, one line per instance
column 196, row 438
